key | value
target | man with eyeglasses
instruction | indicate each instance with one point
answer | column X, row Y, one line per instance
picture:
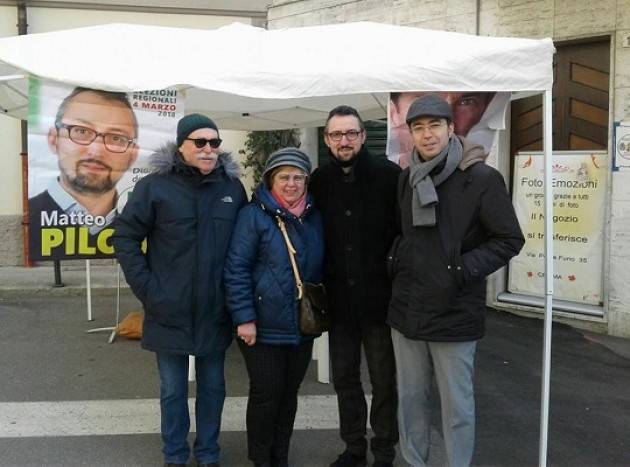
column 186, row 210
column 356, row 194
column 468, row 109
column 458, row 226
column 94, row 139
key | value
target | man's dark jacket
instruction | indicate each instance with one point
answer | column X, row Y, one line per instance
column 439, row 286
column 359, row 214
column 187, row 219
column 259, row 279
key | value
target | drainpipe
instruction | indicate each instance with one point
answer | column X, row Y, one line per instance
column 22, row 30
column 477, row 16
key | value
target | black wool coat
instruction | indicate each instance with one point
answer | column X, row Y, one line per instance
column 187, row 219
column 439, row 272
column 359, row 215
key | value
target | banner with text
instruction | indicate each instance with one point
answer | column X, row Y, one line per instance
column 87, row 149
column 579, row 188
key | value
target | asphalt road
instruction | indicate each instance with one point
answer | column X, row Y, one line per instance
column 68, row 398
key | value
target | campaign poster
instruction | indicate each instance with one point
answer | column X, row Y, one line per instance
column 87, row 148
column 476, row 116
column 579, row 189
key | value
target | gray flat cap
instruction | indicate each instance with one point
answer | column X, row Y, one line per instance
column 429, row 105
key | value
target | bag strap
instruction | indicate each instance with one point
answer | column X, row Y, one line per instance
column 292, row 252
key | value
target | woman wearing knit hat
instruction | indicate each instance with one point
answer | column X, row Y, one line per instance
column 261, row 296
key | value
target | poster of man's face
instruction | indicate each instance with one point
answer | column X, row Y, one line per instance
column 476, row 115
column 94, row 139
column 87, row 149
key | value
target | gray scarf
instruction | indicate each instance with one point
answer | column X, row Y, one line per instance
column 425, row 197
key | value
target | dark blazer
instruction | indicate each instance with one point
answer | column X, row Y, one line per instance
column 359, row 214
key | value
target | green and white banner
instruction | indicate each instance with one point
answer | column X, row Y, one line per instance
column 87, row 149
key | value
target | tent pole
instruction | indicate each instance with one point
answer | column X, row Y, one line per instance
column 546, row 363
column 26, row 254
column 88, row 289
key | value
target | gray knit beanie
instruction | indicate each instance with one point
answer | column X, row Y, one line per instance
column 288, row 156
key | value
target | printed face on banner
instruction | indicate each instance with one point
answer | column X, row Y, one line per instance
column 94, row 140
column 87, row 149
column 472, row 114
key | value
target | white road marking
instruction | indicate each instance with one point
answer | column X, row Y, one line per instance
column 138, row 416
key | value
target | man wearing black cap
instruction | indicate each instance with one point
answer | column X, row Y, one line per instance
column 356, row 194
column 186, row 210
column 458, row 226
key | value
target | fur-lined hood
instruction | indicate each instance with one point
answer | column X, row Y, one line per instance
column 167, row 157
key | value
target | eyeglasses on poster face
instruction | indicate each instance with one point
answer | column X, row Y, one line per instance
column 84, row 136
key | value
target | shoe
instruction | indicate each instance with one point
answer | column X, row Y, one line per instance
column 211, row 464
column 382, row 464
column 347, row 459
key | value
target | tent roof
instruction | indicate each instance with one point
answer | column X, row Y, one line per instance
column 251, row 78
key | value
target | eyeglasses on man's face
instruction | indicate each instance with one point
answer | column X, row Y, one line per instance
column 298, row 179
column 201, row 142
column 433, row 128
column 350, row 135
column 114, row 142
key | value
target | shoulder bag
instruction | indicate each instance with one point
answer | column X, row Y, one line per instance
column 312, row 314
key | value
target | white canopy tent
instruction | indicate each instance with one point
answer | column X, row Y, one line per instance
column 247, row 78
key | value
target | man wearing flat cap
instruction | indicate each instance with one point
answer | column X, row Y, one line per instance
column 185, row 210
column 458, row 226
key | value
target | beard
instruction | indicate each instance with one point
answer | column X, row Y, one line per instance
column 90, row 183
column 347, row 162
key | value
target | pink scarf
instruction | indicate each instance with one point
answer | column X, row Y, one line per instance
column 296, row 209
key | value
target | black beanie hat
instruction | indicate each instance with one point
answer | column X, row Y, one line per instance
column 190, row 123
column 429, row 105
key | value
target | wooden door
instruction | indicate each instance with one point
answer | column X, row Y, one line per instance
column 580, row 102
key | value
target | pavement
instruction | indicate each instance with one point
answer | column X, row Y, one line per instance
column 68, row 398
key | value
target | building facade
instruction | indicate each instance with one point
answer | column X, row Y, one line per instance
column 591, row 97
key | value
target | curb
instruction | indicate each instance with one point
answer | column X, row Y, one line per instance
column 20, row 292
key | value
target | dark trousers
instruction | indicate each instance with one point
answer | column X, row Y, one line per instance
column 275, row 374
column 345, row 351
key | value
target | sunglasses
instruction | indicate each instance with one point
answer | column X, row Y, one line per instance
column 201, row 142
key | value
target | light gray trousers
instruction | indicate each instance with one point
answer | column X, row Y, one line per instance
column 452, row 363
